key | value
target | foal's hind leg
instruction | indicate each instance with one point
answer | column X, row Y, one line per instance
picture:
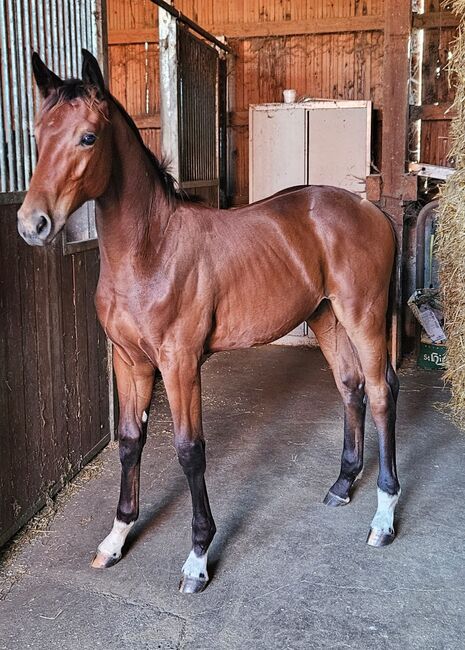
column 135, row 384
column 181, row 374
column 366, row 330
column 350, row 382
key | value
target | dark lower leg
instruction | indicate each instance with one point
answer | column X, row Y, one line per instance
column 352, row 454
column 131, row 443
column 192, row 460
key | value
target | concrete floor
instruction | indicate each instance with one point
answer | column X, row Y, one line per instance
column 287, row 572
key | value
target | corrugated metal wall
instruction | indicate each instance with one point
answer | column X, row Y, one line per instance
column 57, row 30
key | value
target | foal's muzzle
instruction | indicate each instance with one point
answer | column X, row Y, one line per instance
column 34, row 228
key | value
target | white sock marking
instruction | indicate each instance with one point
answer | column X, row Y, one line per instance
column 196, row 566
column 114, row 542
column 384, row 517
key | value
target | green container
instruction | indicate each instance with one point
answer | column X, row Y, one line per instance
column 431, row 356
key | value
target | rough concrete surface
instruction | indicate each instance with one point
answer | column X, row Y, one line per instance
column 286, row 571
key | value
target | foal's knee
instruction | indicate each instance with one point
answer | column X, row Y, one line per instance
column 353, row 388
column 131, row 442
column 191, row 455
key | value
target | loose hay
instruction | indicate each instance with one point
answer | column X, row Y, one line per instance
column 451, row 234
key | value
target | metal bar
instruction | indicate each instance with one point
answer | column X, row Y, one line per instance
column 23, row 83
column 61, row 39
column 72, row 28
column 41, row 27
column 78, row 26
column 3, row 162
column 54, row 34
column 15, row 116
column 31, row 39
column 48, row 34
column 67, row 40
column 90, row 15
column 4, row 117
column 190, row 23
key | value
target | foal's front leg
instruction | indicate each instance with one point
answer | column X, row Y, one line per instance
column 181, row 376
column 135, row 384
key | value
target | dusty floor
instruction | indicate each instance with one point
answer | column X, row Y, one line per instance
column 287, row 572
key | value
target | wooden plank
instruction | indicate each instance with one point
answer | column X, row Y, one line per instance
column 437, row 19
column 57, row 377
column 435, row 142
column 82, row 350
column 33, row 414
column 131, row 36
column 147, row 121
column 90, row 278
column 432, row 112
column 334, row 25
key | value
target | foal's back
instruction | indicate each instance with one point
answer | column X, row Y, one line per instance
column 270, row 264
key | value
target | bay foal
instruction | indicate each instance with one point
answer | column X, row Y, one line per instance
column 180, row 280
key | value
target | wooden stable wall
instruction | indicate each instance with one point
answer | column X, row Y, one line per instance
column 437, row 90
column 54, row 402
column 322, row 48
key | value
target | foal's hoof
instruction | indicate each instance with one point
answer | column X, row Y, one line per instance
column 191, row 585
column 334, row 501
column 104, row 561
column 380, row 538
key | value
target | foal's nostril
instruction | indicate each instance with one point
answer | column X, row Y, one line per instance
column 42, row 224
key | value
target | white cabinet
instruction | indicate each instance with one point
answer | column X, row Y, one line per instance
column 319, row 142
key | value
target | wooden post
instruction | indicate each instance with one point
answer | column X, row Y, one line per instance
column 396, row 74
column 169, row 90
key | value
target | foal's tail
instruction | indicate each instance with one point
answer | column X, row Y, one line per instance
column 394, row 300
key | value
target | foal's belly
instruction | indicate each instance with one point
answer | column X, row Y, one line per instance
column 261, row 317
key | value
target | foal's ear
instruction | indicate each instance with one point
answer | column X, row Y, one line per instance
column 46, row 80
column 91, row 73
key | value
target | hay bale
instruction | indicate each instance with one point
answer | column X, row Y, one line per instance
column 451, row 234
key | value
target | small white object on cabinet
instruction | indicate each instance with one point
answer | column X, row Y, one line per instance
column 316, row 142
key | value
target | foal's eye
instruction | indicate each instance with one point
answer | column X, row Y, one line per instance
column 88, row 139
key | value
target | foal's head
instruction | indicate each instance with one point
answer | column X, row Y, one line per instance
column 73, row 140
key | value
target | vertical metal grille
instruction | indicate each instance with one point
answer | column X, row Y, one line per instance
column 198, row 116
column 57, row 30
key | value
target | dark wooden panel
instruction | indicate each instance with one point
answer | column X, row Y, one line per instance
column 54, row 411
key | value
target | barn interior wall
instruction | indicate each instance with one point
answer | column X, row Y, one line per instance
column 322, row 48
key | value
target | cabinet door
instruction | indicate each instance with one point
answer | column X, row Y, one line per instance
column 339, row 146
column 277, row 148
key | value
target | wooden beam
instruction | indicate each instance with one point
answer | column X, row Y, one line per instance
column 130, row 36
column 432, row 112
column 296, row 27
column 435, row 20
column 396, row 74
column 148, row 121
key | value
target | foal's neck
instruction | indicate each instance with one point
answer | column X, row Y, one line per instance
column 134, row 210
